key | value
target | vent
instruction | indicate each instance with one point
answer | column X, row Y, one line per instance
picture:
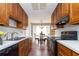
column 39, row 6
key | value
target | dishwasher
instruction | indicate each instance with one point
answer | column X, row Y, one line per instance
column 53, row 45
column 10, row 51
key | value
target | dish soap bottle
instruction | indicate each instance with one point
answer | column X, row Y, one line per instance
column 1, row 34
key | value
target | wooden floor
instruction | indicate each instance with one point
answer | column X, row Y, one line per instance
column 39, row 50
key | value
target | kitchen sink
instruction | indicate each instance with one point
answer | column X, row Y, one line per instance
column 14, row 39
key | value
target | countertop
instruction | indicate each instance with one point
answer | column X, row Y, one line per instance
column 7, row 44
column 71, row 44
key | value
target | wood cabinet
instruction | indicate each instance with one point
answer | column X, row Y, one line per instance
column 22, row 48
column 15, row 12
column 60, row 11
column 64, row 51
column 28, row 43
column 24, row 23
column 74, row 13
column 74, row 53
column 19, row 13
column 12, row 10
column 25, row 47
column 54, row 20
column 25, row 20
column 67, row 9
column 3, row 15
column 64, row 9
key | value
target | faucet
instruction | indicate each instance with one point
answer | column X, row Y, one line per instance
column 6, row 35
column 12, row 34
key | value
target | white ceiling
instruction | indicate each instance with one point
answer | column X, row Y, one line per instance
column 39, row 11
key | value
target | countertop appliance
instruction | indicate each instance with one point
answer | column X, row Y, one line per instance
column 69, row 35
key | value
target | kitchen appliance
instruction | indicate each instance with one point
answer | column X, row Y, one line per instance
column 53, row 45
column 65, row 35
column 69, row 35
column 63, row 21
column 10, row 51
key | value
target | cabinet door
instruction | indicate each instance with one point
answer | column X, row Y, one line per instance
column 19, row 13
column 64, row 51
column 3, row 14
column 65, row 9
column 58, row 12
column 54, row 21
column 27, row 46
column 25, row 20
column 22, row 48
column 21, row 51
column 74, row 13
column 12, row 10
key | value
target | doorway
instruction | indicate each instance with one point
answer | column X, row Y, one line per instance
column 36, row 30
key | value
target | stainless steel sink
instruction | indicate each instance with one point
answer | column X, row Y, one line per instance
column 14, row 39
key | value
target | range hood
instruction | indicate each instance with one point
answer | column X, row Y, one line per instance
column 63, row 21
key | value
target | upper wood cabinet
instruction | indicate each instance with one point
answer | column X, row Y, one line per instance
column 14, row 11
column 3, row 15
column 25, row 20
column 68, row 9
column 19, row 13
column 58, row 12
column 54, row 19
column 24, row 23
column 56, row 16
column 62, row 10
column 74, row 13
column 65, row 9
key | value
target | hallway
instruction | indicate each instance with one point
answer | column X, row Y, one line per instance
column 39, row 50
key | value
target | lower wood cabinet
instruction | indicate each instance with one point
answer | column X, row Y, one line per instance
column 25, row 47
column 22, row 48
column 75, row 54
column 64, row 51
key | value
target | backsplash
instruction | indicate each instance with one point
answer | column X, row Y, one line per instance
column 20, row 32
column 68, row 27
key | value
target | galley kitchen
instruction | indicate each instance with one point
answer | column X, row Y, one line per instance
column 39, row 29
